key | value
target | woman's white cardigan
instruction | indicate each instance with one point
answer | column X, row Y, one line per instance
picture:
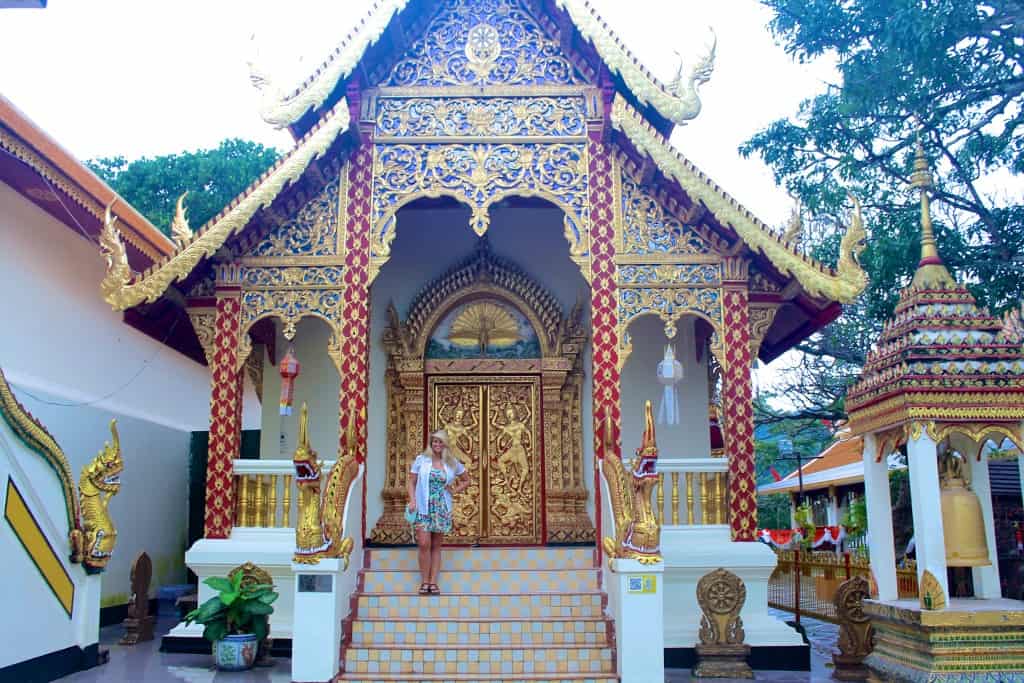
column 421, row 468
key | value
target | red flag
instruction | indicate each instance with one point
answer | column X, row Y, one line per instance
column 775, row 473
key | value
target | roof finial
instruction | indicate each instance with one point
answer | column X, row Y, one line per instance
column 931, row 271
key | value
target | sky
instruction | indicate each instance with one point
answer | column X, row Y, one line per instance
column 143, row 78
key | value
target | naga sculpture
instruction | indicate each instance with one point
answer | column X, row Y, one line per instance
column 318, row 529
column 637, row 532
column 100, row 481
column 684, row 85
column 181, row 233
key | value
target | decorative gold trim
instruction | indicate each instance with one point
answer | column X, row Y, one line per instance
column 204, row 322
column 844, row 286
column 35, row 436
column 678, row 103
column 943, row 407
column 280, row 110
column 931, row 593
column 122, row 294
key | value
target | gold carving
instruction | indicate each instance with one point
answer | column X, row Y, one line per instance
column 855, row 631
column 204, row 323
column 721, row 652
column 100, row 481
column 843, row 286
column 319, row 527
column 280, row 109
column 483, row 324
column 932, row 595
column 637, row 531
column 761, row 318
column 35, row 436
column 181, row 233
column 121, row 293
column 795, row 227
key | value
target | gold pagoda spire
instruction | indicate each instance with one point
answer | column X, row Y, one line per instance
column 931, row 271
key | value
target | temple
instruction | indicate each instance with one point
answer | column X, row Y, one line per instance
column 482, row 227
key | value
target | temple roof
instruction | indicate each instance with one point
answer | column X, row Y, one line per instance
column 46, row 174
column 840, row 463
column 635, row 127
column 675, row 102
column 940, row 357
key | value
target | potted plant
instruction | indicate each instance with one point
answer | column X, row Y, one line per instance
column 235, row 620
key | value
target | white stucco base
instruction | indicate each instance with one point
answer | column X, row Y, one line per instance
column 692, row 552
column 638, row 608
column 318, row 597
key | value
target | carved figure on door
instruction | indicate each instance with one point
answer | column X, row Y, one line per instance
column 514, row 456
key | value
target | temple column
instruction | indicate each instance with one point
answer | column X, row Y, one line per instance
column 737, row 396
column 833, row 507
column 881, row 546
column 929, row 538
column 354, row 325
column 986, row 579
column 603, row 304
column 225, row 406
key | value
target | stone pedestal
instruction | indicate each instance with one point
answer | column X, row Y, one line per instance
column 638, row 607
column 692, row 552
column 970, row 640
column 316, row 632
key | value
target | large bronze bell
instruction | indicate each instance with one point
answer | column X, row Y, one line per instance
column 963, row 524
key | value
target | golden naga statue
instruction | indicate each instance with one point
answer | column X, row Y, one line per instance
column 637, row 531
column 100, row 481
column 318, row 528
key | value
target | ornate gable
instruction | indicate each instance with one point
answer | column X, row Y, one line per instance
column 312, row 230
column 483, row 42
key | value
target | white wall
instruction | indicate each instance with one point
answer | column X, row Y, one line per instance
column 317, row 384
column 75, row 364
column 638, row 383
column 428, row 243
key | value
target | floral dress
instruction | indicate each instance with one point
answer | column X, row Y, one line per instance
column 438, row 518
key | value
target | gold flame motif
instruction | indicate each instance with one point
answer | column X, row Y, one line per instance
column 482, row 325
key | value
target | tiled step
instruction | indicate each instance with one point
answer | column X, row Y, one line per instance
column 467, row 678
column 487, row 558
column 487, row 581
column 538, row 659
column 473, row 632
column 452, row 606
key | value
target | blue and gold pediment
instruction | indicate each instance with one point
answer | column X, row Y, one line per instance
column 483, row 43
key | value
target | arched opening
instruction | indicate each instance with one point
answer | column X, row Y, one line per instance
column 520, row 278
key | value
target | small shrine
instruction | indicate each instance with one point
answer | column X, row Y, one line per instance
column 945, row 378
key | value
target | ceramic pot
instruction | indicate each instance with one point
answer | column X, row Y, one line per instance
column 235, row 652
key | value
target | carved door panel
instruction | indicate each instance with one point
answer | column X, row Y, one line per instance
column 493, row 425
column 458, row 409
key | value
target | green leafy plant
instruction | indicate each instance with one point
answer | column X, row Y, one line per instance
column 239, row 607
column 856, row 518
column 804, row 517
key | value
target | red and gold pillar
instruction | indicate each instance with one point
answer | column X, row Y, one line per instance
column 737, row 397
column 225, row 408
column 603, row 289
column 355, row 314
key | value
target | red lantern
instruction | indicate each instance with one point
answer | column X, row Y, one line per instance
column 289, row 371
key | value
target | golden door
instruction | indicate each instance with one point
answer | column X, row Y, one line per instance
column 493, row 424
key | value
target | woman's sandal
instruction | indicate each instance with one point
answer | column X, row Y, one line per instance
column 433, row 589
column 424, row 589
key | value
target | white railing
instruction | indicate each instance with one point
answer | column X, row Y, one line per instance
column 697, row 492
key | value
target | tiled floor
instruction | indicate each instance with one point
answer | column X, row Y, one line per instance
column 145, row 664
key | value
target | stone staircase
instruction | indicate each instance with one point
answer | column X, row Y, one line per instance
column 504, row 614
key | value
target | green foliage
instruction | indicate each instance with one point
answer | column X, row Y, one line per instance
column 804, row 518
column 237, row 608
column 948, row 70
column 773, row 511
column 213, row 177
column 856, row 518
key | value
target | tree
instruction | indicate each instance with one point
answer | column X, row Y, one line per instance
column 213, row 177
column 947, row 72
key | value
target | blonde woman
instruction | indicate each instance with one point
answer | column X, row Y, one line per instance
column 434, row 476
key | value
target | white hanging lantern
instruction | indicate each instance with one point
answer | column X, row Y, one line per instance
column 670, row 372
